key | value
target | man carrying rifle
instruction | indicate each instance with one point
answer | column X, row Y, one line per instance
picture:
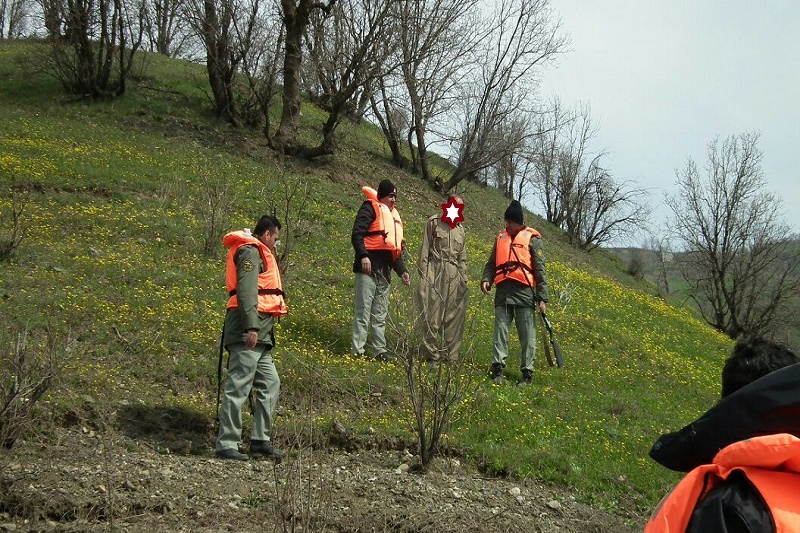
column 517, row 267
column 255, row 301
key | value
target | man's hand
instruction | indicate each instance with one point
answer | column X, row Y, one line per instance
column 366, row 265
column 542, row 307
column 406, row 278
column 485, row 287
column 252, row 338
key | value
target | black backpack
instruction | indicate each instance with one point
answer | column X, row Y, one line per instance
column 733, row 506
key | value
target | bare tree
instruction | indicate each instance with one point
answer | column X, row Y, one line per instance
column 662, row 249
column 348, row 51
column 740, row 266
column 435, row 394
column 212, row 206
column 392, row 117
column 521, row 37
column 14, row 221
column 288, row 200
column 513, row 162
column 578, row 193
column 544, row 151
column 14, row 15
column 165, row 27
column 564, row 154
column 295, row 15
column 354, row 30
column 30, row 364
column 95, row 55
column 602, row 209
column 214, row 22
column 435, row 39
column 260, row 65
column 54, row 14
column 235, row 36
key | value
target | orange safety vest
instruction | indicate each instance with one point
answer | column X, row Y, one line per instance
column 513, row 257
column 270, row 289
column 770, row 462
column 386, row 231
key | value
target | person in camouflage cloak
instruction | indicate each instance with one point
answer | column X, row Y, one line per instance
column 442, row 291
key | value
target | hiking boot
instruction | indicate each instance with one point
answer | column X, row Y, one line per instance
column 232, row 454
column 527, row 378
column 264, row 448
column 382, row 357
column 497, row 371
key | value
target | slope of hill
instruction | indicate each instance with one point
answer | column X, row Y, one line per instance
column 111, row 279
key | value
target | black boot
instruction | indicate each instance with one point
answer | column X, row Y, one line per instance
column 264, row 448
column 527, row 378
column 497, row 373
column 232, row 454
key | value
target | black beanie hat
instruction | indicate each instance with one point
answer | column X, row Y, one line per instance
column 385, row 188
column 514, row 212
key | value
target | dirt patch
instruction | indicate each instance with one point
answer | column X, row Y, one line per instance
column 130, row 477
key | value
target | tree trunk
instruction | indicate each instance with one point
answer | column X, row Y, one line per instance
column 295, row 18
column 218, row 60
column 422, row 160
column 389, row 129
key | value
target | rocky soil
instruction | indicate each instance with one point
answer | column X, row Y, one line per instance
column 87, row 479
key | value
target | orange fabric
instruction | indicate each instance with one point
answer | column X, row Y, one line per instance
column 386, row 231
column 270, row 288
column 771, row 463
column 512, row 254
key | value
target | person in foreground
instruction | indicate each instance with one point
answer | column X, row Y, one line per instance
column 378, row 244
column 743, row 455
column 254, row 285
column 442, row 291
column 516, row 267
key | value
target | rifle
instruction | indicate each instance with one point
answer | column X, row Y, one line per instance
column 556, row 348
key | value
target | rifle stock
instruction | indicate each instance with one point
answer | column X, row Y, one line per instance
column 545, row 342
column 556, row 348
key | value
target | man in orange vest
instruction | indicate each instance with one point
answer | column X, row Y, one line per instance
column 255, row 295
column 516, row 267
column 378, row 244
column 743, row 455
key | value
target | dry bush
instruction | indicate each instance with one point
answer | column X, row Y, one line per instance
column 637, row 264
column 434, row 393
column 13, row 222
column 302, row 498
column 287, row 199
column 213, row 208
column 29, row 366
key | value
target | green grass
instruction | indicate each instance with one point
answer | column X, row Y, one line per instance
column 114, row 250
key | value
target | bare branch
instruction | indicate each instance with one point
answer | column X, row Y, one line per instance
column 740, row 264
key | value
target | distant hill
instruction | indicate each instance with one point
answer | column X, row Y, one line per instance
column 663, row 273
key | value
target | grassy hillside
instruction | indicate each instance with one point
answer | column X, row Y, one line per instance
column 114, row 253
column 647, row 262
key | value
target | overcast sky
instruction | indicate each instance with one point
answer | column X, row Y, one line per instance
column 663, row 78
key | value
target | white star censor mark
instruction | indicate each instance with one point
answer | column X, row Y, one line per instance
column 452, row 212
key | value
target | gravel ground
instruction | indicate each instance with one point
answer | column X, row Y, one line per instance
column 107, row 480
